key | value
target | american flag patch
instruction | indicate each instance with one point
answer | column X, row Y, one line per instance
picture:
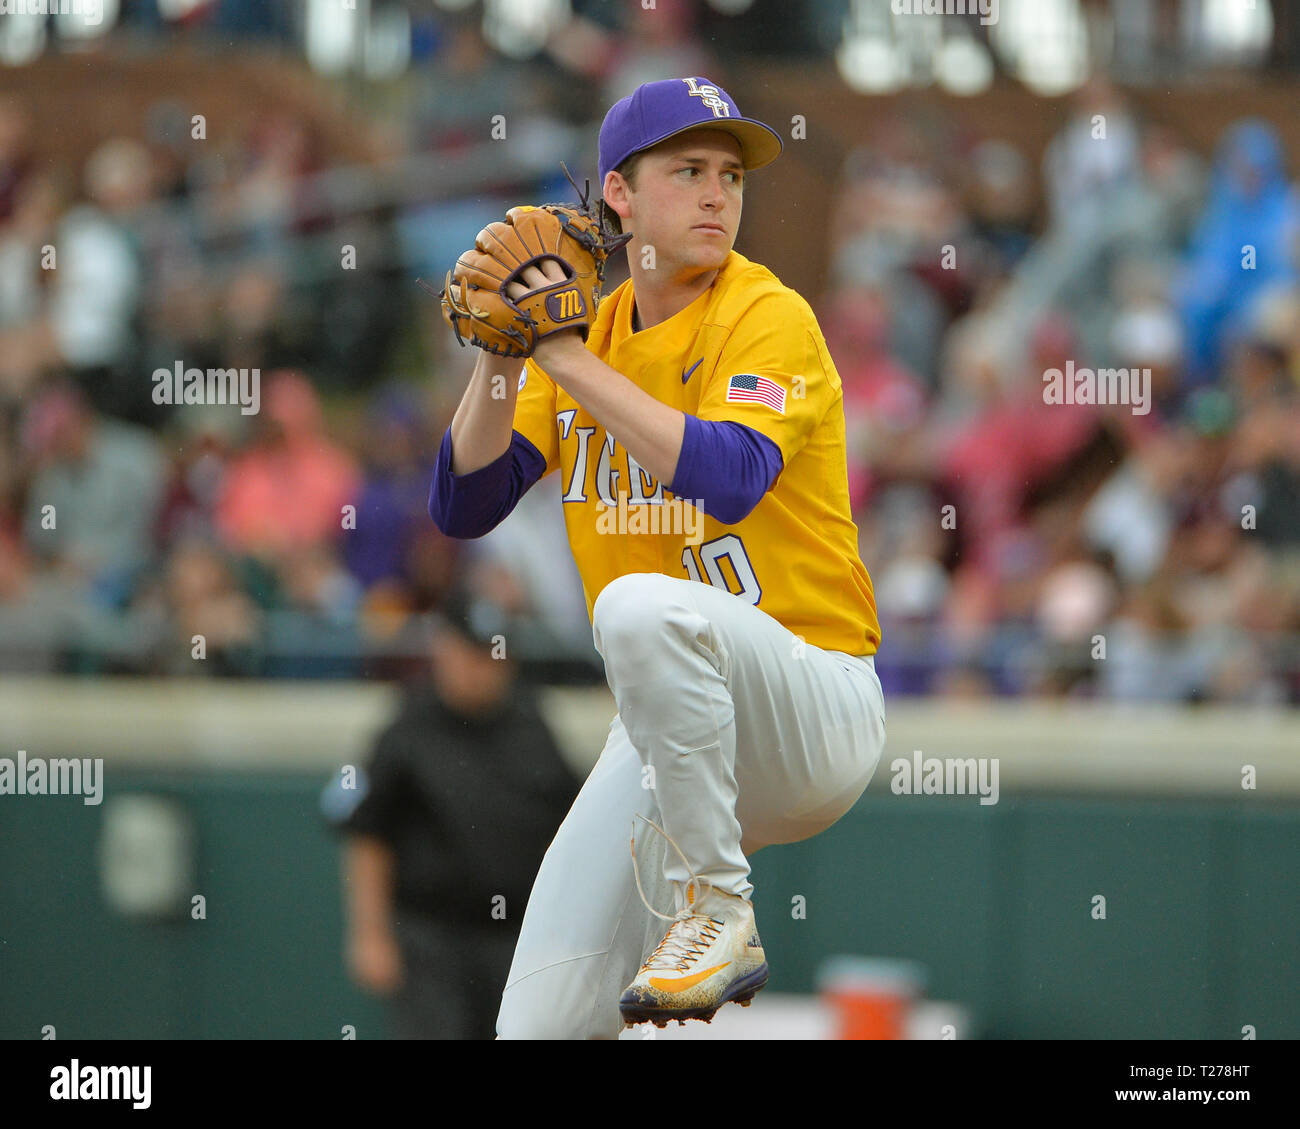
column 748, row 388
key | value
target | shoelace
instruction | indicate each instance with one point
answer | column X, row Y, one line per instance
column 690, row 931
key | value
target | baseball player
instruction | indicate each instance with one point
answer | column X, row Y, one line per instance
column 696, row 420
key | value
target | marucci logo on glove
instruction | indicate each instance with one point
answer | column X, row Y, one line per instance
column 565, row 305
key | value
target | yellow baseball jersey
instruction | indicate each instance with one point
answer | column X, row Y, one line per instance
column 795, row 556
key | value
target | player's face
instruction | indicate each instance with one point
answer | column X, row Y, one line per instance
column 687, row 199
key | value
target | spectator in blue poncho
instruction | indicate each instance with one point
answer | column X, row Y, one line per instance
column 1245, row 242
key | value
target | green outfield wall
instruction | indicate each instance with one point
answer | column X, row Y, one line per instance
column 1200, row 938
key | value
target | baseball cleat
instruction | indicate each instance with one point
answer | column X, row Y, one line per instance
column 710, row 956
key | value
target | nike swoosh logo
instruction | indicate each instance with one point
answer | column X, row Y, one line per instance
column 672, row 987
column 687, row 374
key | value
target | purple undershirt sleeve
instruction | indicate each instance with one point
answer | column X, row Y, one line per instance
column 470, row 505
column 726, row 467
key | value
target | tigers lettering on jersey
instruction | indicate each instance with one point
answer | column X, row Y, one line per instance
column 748, row 350
column 643, row 508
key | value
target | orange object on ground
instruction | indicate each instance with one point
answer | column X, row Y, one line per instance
column 872, row 999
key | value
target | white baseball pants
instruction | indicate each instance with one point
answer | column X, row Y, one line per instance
column 732, row 734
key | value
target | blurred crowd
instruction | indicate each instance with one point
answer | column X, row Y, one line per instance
column 1017, row 547
column 138, row 535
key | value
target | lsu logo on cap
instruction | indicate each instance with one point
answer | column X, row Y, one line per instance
column 565, row 304
column 710, row 96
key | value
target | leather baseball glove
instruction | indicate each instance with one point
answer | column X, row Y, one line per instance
column 477, row 299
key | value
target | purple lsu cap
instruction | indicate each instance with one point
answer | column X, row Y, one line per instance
column 655, row 111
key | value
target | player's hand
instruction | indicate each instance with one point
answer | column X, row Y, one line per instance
column 534, row 278
column 375, row 962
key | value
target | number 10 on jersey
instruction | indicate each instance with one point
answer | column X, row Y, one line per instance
column 711, row 555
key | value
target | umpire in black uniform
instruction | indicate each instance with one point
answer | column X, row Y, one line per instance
column 464, row 792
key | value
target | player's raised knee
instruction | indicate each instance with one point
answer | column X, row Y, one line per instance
column 634, row 605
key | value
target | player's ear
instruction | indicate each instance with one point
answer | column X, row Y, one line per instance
column 615, row 194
